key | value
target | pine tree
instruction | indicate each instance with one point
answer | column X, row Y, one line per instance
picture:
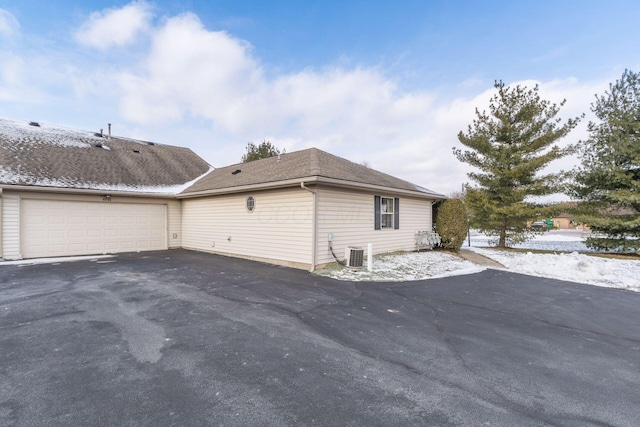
column 261, row 151
column 608, row 180
column 509, row 146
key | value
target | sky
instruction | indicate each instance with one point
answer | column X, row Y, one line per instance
column 385, row 83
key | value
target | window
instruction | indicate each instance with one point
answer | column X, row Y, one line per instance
column 251, row 203
column 387, row 213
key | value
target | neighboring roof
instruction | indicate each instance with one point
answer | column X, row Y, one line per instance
column 40, row 155
column 311, row 164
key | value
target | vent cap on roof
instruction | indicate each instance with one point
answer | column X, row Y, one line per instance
column 34, row 124
column 236, row 172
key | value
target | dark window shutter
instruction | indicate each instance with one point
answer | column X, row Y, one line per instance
column 396, row 213
column 376, row 212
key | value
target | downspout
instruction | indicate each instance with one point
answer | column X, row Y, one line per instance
column 314, row 230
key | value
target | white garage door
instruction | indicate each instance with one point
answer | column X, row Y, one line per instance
column 63, row 228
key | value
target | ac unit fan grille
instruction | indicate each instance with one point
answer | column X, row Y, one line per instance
column 354, row 257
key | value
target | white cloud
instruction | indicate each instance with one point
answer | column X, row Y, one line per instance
column 116, row 26
column 9, row 25
column 189, row 70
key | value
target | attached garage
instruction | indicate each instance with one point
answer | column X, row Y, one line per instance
column 63, row 228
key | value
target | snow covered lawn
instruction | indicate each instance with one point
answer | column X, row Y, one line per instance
column 575, row 267
column 405, row 266
column 571, row 266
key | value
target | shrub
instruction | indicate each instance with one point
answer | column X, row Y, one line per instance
column 451, row 224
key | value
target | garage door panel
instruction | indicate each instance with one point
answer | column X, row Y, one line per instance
column 128, row 232
column 110, row 233
column 57, row 228
column 54, row 234
column 79, row 233
column 55, row 219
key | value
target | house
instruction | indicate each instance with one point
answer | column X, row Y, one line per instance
column 67, row 192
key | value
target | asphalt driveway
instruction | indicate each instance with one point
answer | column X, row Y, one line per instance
column 183, row 338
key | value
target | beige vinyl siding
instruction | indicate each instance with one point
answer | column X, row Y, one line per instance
column 10, row 226
column 349, row 215
column 279, row 230
column 174, row 220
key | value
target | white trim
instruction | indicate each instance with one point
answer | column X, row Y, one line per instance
column 313, row 180
column 29, row 188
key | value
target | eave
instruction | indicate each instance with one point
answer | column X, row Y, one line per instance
column 294, row 182
column 65, row 190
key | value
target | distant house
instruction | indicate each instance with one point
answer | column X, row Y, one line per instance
column 67, row 192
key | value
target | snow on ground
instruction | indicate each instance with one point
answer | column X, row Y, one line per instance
column 406, row 266
column 574, row 267
column 570, row 266
column 553, row 240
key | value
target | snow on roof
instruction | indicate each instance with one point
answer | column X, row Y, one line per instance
column 41, row 155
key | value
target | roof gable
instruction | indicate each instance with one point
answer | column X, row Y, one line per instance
column 307, row 163
column 48, row 156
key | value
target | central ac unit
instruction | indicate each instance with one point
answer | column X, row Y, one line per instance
column 354, row 257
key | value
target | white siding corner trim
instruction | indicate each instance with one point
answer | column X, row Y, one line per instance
column 11, row 226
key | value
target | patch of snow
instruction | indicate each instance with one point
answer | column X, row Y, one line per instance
column 54, row 260
column 574, row 267
column 11, row 177
column 553, row 240
column 24, row 133
column 407, row 266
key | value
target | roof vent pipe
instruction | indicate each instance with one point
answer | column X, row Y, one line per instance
column 109, row 130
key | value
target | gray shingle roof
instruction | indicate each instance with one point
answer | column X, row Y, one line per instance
column 51, row 156
column 311, row 162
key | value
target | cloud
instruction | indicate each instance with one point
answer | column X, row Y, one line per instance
column 116, row 26
column 9, row 25
column 193, row 72
column 189, row 70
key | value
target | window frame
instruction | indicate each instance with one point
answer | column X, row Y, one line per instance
column 392, row 217
column 387, row 218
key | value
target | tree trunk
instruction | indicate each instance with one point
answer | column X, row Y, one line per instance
column 502, row 243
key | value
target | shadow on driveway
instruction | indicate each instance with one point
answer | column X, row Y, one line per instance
column 186, row 338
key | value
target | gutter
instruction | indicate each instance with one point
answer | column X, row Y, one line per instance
column 314, row 229
column 310, row 179
column 84, row 191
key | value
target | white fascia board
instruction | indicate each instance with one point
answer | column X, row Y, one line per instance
column 311, row 180
column 251, row 187
column 39, row 189
column 360, row 185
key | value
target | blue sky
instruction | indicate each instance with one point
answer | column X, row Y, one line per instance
column 389, row 83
